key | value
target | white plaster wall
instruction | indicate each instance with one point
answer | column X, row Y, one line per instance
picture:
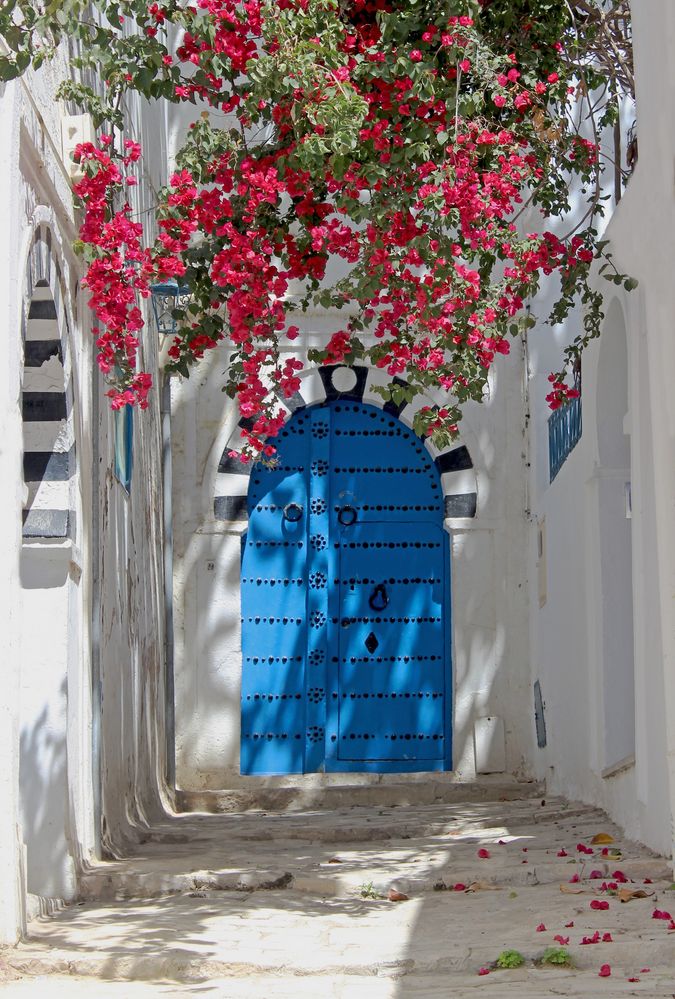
column 12, row 918
column 572, row 633
column 130, row 565
column 54, row 800
column 48, row 813
column 490, row 631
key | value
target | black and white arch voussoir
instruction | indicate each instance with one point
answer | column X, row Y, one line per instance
column 46, row 402
column 326, row 384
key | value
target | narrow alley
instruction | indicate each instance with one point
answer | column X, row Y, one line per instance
column 414, row 891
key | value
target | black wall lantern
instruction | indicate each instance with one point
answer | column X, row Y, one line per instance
column 166, row 297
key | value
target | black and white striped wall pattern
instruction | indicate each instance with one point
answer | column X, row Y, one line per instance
column 49, row 463
column 333, row 382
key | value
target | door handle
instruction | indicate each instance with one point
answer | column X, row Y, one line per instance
column 347, row 516
column 292, row 512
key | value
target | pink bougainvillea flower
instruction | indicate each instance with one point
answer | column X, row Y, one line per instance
column 563, row 853
column 483, row 971
column 582, row 848
column 645, row 971
column 569, row 925
column 671, row 925
column 483, row 853
column 563, row 941
column 574, row 879
column 599, row 903
column 605, row 971
column 595, row 875
column 541, row 928
column 607, row 938
column 620, row 877
column 648, row 881
column 633, row 979
column 459, row 886
column 661, row 914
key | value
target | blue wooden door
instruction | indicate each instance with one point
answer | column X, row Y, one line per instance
column 345, row 601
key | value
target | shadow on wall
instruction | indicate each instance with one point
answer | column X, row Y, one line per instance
column 44, row 802
column 43, row 777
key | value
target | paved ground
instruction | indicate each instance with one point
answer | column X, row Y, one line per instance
column 295, row 905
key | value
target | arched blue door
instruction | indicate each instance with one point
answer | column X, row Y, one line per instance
column 345, row 601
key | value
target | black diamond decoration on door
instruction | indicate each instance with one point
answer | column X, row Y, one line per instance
column 371, row 643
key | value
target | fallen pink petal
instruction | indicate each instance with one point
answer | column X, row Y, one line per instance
column 605, row 971
column 483, row 971
column 563, row 941
column 599, row 903
column 541, row 928
column 607, row 938
column 563, row 853
column 483, row 853
column 595, row 939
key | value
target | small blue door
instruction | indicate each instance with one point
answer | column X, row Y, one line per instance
column 345, row 601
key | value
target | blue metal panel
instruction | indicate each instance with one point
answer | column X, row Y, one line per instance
column 331, row 676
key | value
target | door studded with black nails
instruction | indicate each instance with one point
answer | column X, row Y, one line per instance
column 345, row 600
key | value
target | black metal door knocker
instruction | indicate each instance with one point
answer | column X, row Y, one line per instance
column 347, row 516
column 379, row 598
column 292, row 512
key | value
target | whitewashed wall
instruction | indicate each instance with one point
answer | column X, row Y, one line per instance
column 603, row 642
column 58, row 660
column 490, row 655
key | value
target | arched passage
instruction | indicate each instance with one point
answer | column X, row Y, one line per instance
column 345, row 600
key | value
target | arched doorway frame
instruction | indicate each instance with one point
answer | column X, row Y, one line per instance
column 54, row 758
column 229, row 485
column 47, row 384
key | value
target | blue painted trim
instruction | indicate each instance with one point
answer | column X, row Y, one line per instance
column 564, row 433
column 123, row 460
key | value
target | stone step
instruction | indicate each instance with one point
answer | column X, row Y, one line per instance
column 426, row 789
column 332, row 854
column 136, row 883
column 195, row 940
column 241, row 899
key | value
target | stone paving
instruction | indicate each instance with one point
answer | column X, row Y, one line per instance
column 294, row 905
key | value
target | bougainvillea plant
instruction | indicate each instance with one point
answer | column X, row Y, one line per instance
column 370, row 159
